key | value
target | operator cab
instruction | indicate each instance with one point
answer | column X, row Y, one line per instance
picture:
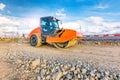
column 48, row 26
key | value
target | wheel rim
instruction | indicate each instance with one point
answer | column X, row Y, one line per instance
column 33, row 40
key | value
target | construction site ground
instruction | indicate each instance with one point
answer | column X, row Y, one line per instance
column 101, row 57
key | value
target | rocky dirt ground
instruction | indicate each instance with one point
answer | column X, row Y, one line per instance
column 20, row 61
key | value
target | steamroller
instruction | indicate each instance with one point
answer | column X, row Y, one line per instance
column 49, row 32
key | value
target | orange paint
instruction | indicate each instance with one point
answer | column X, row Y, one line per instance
column 63, row 36
column 79, row 35
column 36, row 30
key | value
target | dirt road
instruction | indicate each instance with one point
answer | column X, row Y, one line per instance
column 100, row 57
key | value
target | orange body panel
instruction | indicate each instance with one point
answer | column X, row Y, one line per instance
column 63, row 36
column 79, row 35
column 36, row 30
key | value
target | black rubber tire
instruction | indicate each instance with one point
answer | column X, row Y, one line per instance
column 35, row 40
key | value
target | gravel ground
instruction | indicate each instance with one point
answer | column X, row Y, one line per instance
column 81, row 62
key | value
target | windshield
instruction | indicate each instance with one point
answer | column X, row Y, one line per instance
column 49, row 24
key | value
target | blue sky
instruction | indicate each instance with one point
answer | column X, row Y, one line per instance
column 94, row 16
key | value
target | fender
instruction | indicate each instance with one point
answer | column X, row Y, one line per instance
column 36, row 30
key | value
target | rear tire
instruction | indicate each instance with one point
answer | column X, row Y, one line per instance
column 35, row 40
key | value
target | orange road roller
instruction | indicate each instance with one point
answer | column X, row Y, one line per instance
column 49, row 32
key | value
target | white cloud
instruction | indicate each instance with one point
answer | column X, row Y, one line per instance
column 81, row 26
column 114, row 13
column 113, row 24
column 90, row 25
column 102, row 6
column 5, row 20
column 61, row 13
column 95, row 19
column 8, row 29
column 75, row 25
column 2, row 6
column 15, row 24
column 94, row 25
column 71, row 25
column 102, row 25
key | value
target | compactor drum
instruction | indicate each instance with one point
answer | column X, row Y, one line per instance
column 49, row 32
